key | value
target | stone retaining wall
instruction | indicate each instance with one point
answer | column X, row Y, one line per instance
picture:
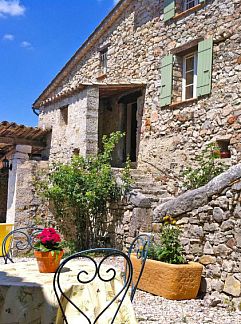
column 210, row 218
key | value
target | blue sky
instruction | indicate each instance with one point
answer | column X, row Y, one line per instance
column 37, row 37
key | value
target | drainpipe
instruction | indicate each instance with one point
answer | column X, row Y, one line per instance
column 34, row 111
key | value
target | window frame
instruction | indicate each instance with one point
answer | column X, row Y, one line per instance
column 184, row 70
column 104, row 60
column 187, row 2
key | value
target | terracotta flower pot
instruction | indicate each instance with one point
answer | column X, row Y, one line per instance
column 171, row 281
column 47, row 262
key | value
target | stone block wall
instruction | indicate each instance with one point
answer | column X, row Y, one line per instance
column 29, row 208
column 78, row 132
column 210, row 219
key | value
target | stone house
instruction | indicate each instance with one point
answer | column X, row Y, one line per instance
column 167, row 73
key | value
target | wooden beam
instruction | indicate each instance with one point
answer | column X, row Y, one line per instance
column 21, row 141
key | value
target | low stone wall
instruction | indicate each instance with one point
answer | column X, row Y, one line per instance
column 210, row 218
column 132, row 216
column 30, row 209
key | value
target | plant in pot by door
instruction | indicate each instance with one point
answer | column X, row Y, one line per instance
column 166, row 271
column 48, row 250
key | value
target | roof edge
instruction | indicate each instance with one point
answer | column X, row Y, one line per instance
column 55, row 98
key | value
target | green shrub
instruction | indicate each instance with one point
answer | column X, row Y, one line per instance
column 81, row 192
column 207, row 167
column 169, row 248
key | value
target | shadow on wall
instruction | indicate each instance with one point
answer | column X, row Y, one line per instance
column 3, row 194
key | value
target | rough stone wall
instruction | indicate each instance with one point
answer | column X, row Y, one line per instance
column 29, row 207
column 172, row 136
column 80, row 130
column 131, row 217
column 3, row 196
column 210, row 219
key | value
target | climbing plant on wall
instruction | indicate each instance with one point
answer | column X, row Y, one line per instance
column 208, row 166
column 82, row 191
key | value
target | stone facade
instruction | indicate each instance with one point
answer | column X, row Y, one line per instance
column 76, row 130
column 137, row 40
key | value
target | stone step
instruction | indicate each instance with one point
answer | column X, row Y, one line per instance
column 152, row 191
column 146, row 184
column 149, row 186
column 162, row 200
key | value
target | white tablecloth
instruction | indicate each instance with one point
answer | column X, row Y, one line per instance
column 27, row 296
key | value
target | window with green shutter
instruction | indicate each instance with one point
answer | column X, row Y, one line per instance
column 187, row 74
column 169, row 9
column 204, row 68
column 166, row 80
column 188, row 6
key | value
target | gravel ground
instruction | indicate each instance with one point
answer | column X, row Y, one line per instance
column 151, row 309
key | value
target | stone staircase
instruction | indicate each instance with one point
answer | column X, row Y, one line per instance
column 149, row 184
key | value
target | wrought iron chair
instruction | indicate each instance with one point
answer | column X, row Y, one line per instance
column 18, row 240
column 101, row 271
column 139, row 247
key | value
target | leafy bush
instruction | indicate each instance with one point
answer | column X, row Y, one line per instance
column 169, row 248
column 82, row 191
column 206, row 169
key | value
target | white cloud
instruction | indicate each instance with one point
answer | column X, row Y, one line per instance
column 26, row 44
column 8, row 37
column 11, row 8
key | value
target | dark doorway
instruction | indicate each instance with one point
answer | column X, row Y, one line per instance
column 122, row 113
column 131, row 131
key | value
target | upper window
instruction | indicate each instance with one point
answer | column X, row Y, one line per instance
column 188, row 4
column 188, row 73
column 176, row 7
column 103, row 60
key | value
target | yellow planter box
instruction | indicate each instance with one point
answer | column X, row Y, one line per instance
column 171, row 281
column 4, row 230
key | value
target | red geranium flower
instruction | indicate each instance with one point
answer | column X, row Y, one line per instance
column 48, row 239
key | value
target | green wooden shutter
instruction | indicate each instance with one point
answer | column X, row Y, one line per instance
column 166, row 80
column 204, row 67
column 169, row 9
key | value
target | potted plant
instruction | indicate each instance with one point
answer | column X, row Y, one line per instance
column 48, row 250
column 166, row 272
